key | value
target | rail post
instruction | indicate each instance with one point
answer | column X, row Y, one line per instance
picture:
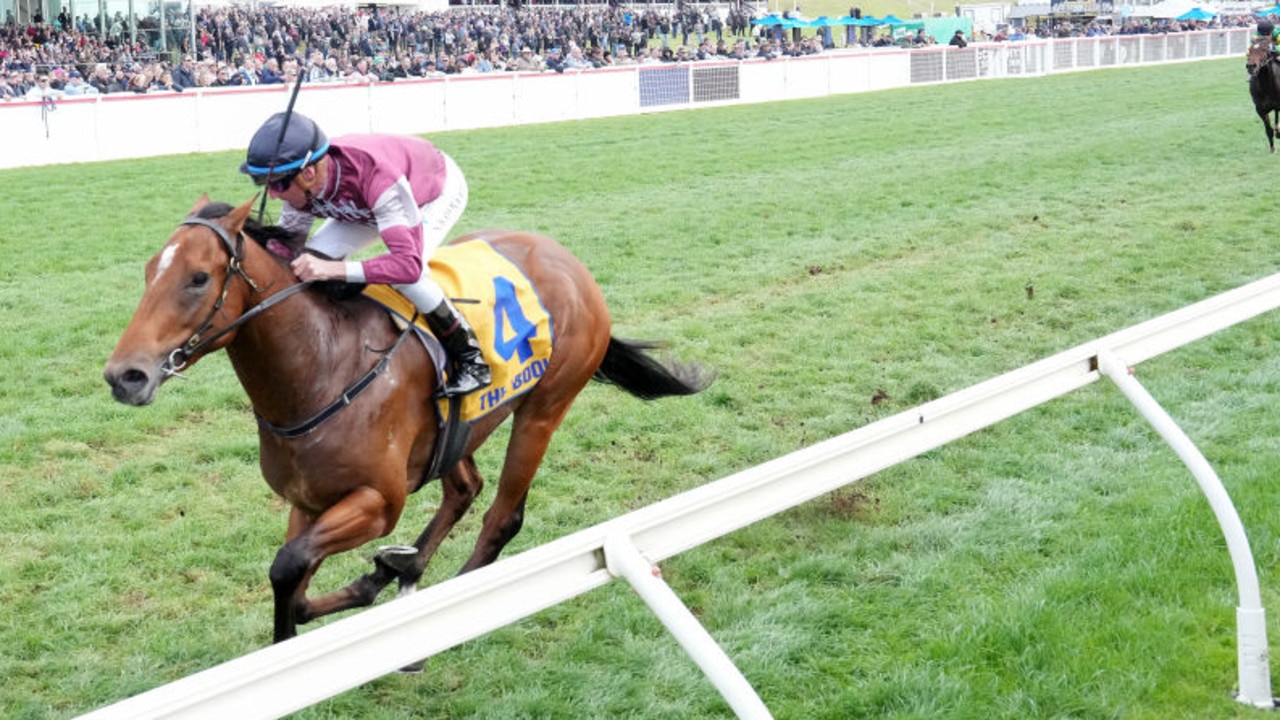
column 1253, row 660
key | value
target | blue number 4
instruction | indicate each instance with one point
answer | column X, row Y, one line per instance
column 511, row 330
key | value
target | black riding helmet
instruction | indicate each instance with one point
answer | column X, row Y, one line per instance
column 1265, row 28
column 271, row 155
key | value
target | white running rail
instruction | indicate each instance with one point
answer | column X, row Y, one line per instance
column 329, row 660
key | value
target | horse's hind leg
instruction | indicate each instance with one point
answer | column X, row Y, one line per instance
column 459, row 489
column 531, row 432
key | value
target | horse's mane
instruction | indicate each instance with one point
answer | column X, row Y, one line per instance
column 287, row 244
column 258, row 232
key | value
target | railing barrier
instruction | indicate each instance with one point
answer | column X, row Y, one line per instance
column 329, row 660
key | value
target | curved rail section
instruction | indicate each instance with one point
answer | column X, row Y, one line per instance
column 327, row 661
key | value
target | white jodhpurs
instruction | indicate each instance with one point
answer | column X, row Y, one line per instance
column 338, row 239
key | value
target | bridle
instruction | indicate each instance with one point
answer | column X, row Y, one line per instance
column 197, row 343
column 1259, row 55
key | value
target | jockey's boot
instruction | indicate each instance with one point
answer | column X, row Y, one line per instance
column 468, row 371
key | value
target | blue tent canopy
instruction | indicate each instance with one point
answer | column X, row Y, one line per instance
column 1273, row 10
column 771, row 20
column 1196, row 13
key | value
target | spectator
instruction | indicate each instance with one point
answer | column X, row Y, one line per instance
column 164, row 83
column 139, row 83
column 575, row 60
column 7, row 92
column 527, row 62
column 223, row 78
column 42, row 91
column 289, row 75
column 359, row 73
column 317, row 71
column 184, row 76
column 554, row 60
column 331, row 71
column 23, row 81
column 958, row 40
column 496, row 60
column 205, row 76
column 101, row 78
column 247, row 74
column 270, row 74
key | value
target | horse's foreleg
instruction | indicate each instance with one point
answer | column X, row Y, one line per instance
column 361, row 516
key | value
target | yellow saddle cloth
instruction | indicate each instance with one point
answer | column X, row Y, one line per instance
column 504, row 309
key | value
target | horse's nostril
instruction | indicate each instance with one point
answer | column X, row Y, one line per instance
column 133, row 376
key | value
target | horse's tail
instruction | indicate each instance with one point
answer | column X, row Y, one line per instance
column 627, row 365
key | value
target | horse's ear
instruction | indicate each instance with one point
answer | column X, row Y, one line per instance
column 200, row 203
column 234, row 220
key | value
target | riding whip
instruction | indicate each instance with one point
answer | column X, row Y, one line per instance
column 284, row 127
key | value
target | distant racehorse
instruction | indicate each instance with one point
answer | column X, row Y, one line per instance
column 1264, row 86
column 347, row 470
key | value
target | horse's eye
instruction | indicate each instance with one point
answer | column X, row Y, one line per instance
column 200, row 279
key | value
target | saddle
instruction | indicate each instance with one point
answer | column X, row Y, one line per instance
column 510, row 322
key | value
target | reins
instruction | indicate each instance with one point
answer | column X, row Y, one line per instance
column 177, row 359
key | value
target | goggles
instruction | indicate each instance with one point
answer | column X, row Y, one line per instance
column 278, row 183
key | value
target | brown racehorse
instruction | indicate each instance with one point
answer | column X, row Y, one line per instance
column 1264, row 86
column 347, row 476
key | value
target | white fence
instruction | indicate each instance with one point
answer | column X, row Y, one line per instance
column 340, row 656
column 124, row 125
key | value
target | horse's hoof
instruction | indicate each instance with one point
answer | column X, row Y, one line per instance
column 412, row 669
column 397, row 558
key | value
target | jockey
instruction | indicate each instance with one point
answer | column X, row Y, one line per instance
column 1267, row 31
column 399, row 189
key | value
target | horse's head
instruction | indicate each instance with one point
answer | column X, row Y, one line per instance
column 1259, row 54
column 190, row 294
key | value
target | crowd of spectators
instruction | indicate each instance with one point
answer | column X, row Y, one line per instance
column 241, row 45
